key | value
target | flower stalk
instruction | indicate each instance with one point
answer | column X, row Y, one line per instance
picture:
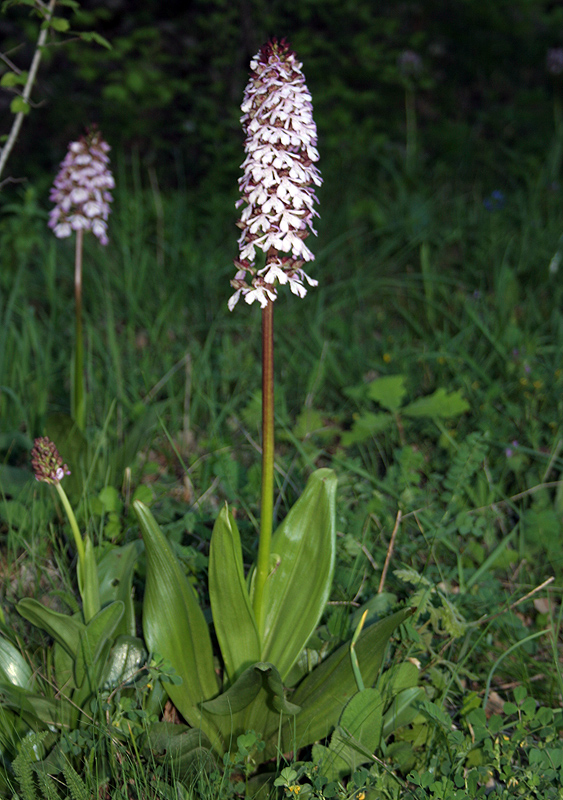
column 277, row 188
column 267, row 494
column 48, row 467
column 78, row 398
column 81, row 193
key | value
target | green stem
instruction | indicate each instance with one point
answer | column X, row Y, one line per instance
column 410, row 111
column 267, row 505
column 78, row 407
column 73, row 523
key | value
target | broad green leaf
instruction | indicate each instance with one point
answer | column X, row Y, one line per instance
column 365, row 426
column 174, row 625
column 19, row 106
column 233, row 617
column 10, row 79
column 297, row 591
column 88, row 582
column 438, row 404
column 255, row 702
column 179, row 747
column 245, row 690
column 358, row 734
column 323, row 694
column 402, row 710
column 115, row 577
column 126, row 657
column 32, row 707
column 13, row 666
column 95, row 638
column 389, row 391
column 64, row 629
column 59, row 24
column 399, row 677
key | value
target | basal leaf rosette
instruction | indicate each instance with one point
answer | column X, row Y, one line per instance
column 277, row 185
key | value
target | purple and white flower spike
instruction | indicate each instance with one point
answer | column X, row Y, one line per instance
column 81, row 189
column 279, row 177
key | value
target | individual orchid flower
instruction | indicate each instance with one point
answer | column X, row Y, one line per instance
column 279, row 177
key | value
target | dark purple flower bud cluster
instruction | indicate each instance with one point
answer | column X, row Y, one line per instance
column 81, row 189
column 46, row 461
column 410, row 64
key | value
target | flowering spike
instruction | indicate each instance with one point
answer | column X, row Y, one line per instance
column 47, row 462
column 278, row 178
column 81, row 189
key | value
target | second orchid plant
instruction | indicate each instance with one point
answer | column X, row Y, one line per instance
column 82, row 194
column 263, row 621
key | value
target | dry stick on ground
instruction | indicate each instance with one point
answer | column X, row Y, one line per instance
column 26, row 94
column 389, row 552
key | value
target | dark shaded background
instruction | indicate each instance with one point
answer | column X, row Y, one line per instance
column 169, row 91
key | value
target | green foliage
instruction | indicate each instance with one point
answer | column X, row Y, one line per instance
column 389, row 393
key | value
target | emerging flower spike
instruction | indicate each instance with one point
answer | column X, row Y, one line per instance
column 47, row 462
column 279, row 177
column 81, row 189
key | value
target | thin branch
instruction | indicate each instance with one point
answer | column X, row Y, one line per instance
column 18, row 120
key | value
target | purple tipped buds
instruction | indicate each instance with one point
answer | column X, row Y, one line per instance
column 46, row 461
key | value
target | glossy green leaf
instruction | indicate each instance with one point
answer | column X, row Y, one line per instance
column 233, row 616
column 125, row 659
column 94, row 639
column 402, row 710
column 64, row 629
column 115, row 576
column 297, row 591
column 174, row 625
column 181, row 748
column 13, row 666
column 323, row 694
column 88, row 582
column 356, row 737
column 245, row 690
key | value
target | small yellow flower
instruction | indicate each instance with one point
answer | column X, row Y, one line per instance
column 538, row 384
column 387, row 357
column 523, row 381
column 295, row 789
column 441, row 360
column 361, row 796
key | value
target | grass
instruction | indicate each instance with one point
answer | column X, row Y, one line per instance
column 416, row 279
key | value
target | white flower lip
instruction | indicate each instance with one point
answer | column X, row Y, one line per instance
column 279, row 176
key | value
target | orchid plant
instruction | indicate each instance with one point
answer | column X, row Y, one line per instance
column 81, row 193
column 95, row 647
column 264, row 620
